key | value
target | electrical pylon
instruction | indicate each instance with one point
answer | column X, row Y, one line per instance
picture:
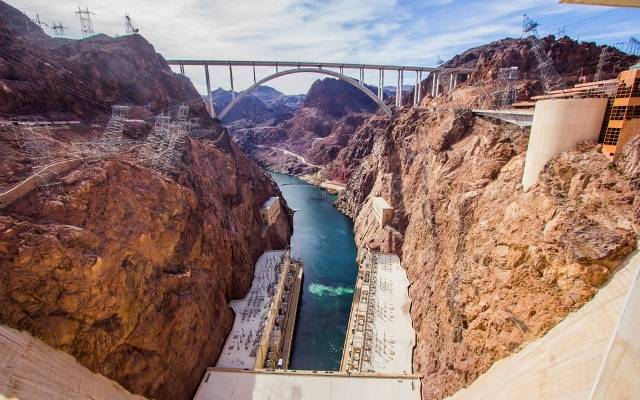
column 548, row 75
column 86, row 25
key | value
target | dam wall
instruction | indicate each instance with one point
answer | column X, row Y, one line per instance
column 32, row 370
column 594, row 353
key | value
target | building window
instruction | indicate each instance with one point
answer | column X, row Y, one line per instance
column 633, row 112
column 617, row 112
column 611, row 137
column 635, row 92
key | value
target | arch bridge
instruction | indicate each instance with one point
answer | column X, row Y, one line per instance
column 336, row 70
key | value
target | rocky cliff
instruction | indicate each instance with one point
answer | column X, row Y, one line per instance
column 574, row 61
column 264, row 106
column 331, row 111
column 127, row 269
column 131, row 272
column 80, row 79
column 491, row 267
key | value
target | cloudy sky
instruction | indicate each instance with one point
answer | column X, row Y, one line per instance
column 409, row 32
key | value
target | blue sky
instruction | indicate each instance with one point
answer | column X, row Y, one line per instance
column 361, row 31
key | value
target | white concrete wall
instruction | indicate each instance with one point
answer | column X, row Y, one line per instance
column 31, row 370
column 382, row 210
column 270, row 210
column 595, row 349
column 619, row 375
column 558, row 125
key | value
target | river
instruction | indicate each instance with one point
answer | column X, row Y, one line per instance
column 323, row 239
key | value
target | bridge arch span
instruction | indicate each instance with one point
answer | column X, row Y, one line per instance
column 338, row 75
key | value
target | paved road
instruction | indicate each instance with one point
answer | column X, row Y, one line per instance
column 300, row 158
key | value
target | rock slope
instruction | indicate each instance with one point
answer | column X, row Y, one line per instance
column 128, row 270
column 132, row 272
column 491, row 267
column 80, row 79
column 330, row 113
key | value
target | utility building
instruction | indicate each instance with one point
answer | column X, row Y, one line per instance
column 623, row 121
column 270, row 210
column 382, row 210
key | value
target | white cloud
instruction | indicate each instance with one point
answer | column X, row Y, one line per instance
column 373, row 31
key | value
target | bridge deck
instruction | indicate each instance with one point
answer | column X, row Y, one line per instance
column 296, row 64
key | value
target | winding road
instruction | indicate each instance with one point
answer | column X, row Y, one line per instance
column 299, row 157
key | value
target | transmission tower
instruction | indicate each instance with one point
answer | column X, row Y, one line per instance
column 86, row 26
column 507, row 77
column 163, row 149
column 112, row 137
column 40, row 23
column 128, row 25
column 58, row 29
column 548, row 75
column 601, row 60
column 633, row 46
column 35, row 142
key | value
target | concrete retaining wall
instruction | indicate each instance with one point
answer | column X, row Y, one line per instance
column 559, row 125
column 31, row 370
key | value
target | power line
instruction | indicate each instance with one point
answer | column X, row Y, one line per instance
column 130, row 29
column 548, row 75
column 86, row 25
column 58, row 29
column 589, row 19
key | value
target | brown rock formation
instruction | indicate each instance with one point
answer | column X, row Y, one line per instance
column 491, row 267
column 129, row 271
column 132, row 272
column 330, row 114
column 80, row 79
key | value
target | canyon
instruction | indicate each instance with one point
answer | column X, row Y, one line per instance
column 130, row 268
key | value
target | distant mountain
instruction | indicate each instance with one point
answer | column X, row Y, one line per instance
column 337, row 98
column 265, row 105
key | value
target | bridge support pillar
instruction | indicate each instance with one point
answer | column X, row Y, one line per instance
column 433, row 83
column 419, row 87
column 415, row 90
column 398, row 90
column 455, row 80
column 233, row 93
column 181, row 69
column 212, row 111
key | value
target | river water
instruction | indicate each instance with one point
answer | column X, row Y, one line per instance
column 323, row 239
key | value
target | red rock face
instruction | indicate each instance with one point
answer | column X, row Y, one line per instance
column 574, row 61
column 131, row 272
column 330, row 113
column 491, row 267
column 128, row 271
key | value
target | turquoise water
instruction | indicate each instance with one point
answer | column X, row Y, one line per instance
column 323, row 239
